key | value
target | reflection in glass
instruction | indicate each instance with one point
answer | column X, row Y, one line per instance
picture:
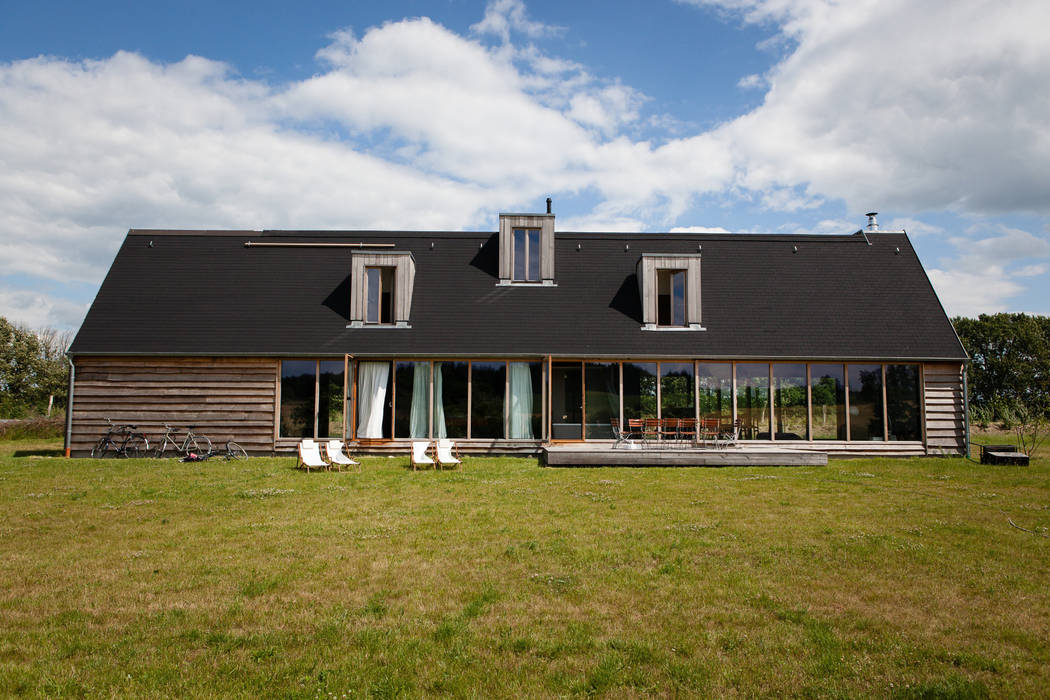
column 829, row 402
column 602, row 380
column 865, row 402
column 902, row 402
column 488, row 381
column 411, row 399
column 373, row 400
column 752, row 400
column 676, row 390
column 330, row 399
column 525, row 413
column 297, row 398
column 639, row 390
column 566, row 401
column 450, row 399
column 670, row 297
column 716, row 391
column 789, row 400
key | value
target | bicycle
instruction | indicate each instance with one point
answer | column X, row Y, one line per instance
column 191, row 443
column 121, row 441
column 231, row 451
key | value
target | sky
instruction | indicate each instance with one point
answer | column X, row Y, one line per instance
column 746, row 116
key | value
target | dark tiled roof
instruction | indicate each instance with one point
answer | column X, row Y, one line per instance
column 205, row 293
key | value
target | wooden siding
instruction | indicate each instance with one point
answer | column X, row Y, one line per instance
column 507, row 224
column 404, row 281
column 646, row 271
column 225, row 398
column 944, row 408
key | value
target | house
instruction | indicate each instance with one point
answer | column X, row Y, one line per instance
column 513, row 339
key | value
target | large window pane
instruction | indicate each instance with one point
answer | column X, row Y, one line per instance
column 902, row 402
column 789, row 400
column 716, row 391
column 521, row 260
column 670, row 297
column 602, row 382
column 865, row 402
column 752, row 400
column 534, row 255
column 330, row 400
column 639, row 390
column 525, row 413
column 450, row 399
column 412, row 399
column 676, row 390
column 488, row 381
column 829, row 402
column 566, row 401
column 373, row 400
column 297, row 398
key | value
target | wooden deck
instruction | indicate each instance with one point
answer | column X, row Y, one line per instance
column 592, row 455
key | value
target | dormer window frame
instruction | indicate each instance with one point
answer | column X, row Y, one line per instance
column 654, row 267
column 539, row 251
column 399, row 270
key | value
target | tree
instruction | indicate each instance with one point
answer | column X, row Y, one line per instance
column 33, row 368
column 1010, row 368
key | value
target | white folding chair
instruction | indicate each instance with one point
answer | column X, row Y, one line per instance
column 310, row 456
column 445, row 454
column 334, row 451
column 419, row 455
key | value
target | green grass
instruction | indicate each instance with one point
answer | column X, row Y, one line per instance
column 865, row 578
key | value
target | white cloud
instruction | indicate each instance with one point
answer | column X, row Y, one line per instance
column 751, row 82
column 973, row 293
column 699, row 229
column 503, row 16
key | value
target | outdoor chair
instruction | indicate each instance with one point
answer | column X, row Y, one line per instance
column 650, row 430
column 445, row 456
column 310, row 456
column 334, row 451
column 634, row 429
column 728, row 438
column 669, row 429
column 621, row 437
column 419, row 455
column 709, row 429
column 687, row 430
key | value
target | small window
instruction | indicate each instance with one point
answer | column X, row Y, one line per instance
column 526, row 255
column 380, row 301
column 670, row 299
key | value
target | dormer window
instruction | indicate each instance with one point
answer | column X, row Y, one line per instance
column 526, row 255
column 669, row 285
column 526, row 249
column 380, row 304
column 381, row 289
column 670, row 297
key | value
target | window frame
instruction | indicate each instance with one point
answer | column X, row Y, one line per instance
column 530, row 237
column 384, row 272
column 672, row 275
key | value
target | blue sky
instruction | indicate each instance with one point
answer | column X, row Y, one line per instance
column 793, row 116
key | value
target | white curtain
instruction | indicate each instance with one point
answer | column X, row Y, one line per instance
column 520, row 415
column 439, row 406
column 372, row 378
column 420, row 404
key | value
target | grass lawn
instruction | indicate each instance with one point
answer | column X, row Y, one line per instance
column 880, row 578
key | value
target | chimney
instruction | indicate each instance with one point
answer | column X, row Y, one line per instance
column 873, row 225
column 548, row 205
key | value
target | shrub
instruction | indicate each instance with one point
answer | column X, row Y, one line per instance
column 32, row 429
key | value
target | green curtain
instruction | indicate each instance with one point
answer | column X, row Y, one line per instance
column 439, row 405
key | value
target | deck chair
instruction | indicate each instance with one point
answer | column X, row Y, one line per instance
column 310, row 456
column 419, row 454
column 333, row 449
column 445, row 449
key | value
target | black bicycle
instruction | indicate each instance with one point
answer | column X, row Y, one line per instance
column 192, row 443
column 230, row 451
column 121, row 441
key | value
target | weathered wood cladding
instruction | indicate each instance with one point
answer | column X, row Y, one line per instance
column 944, row 408
column 646, row 271
column 225, row 398
column 507, row 224
column 404, row 280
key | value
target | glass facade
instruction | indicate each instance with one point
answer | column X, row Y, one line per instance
column 602, row 402
column 829, row 401
column 789, row 401
column 865, row 402
column 752, row 400
column 507, row 400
